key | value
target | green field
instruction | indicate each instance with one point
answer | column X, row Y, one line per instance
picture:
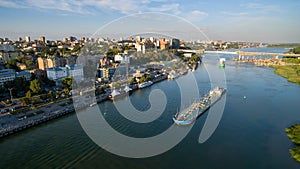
column 284, row 45
column 292, row 73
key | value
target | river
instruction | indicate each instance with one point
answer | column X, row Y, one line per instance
column 251, row 133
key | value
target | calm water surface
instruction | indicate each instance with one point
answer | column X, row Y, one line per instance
column 250, row 134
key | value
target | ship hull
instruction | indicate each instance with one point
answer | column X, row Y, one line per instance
column 199, row 112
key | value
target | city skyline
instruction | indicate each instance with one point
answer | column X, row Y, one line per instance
column 271, row 22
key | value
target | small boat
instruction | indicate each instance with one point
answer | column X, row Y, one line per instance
column 222, row 62
column 145, row 84
column 93, row 104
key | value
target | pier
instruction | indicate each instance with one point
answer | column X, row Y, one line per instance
column 34, row 122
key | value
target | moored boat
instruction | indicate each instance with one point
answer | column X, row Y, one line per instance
column 145, row 84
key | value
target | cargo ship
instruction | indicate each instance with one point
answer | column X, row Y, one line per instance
column 190, row 114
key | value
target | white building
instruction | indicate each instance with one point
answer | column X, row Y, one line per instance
column 122, row 58
column 7, row 75
column 75, row 71
column 27, row 38
column 56, row 73
column 140, row 47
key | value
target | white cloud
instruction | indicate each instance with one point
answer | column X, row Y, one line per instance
column 172, row 8
column 10, row 4
column 261, row 7
column 89, row 6
column 234, row 14
column 195, row 16
column 198, row 13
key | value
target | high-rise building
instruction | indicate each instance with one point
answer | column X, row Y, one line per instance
column 45, row 63
column 175, row 43
column 27, row 38
column 71, row 38
column 42, row 39
column 152, row 39
column 106, row 73
column 138, row 39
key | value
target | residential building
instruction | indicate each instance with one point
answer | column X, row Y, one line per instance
column 55, row 73
column 24, row 74
column 140, row 47
column 27, row 38
column 175, row 43
column 138, row 39
column 45, row 63
column 106, row 73
column 7, row 75
column 42, row 39
column 76, row 71
column 122, row 58
column 7, row 52
column 163, row 43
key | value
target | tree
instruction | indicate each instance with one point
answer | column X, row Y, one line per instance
column 142, row 80
column 58, row 93
column 28, row 94
column 11, row 64
column 66, row 91
column 50, row 94
column 20, row 84
column 67, row 82
column 76, row 48
column 132, row 80
column 35, row 86
column 148, row 78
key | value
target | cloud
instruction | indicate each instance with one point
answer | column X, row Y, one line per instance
column 195, row 16
column 90, row 6
column 234, row 14
column 198, row 13
column 173, row 8
column 10, row 4
column 259, row 6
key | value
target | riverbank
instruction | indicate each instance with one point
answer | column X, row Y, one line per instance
column 293, row 133
column 44, row 114
column 290, row 72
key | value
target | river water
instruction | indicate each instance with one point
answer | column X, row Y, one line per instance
column 251, row 133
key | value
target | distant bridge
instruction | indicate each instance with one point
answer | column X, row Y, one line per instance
column 242, row 54
column 219, row 52
column 200, row 51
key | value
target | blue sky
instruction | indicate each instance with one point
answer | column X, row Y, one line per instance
column 240, row 20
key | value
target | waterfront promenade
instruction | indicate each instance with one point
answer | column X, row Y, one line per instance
column 17, row 123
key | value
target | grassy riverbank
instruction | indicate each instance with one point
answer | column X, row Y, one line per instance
column 293, row 133
column 284, row 45
column 291, row 72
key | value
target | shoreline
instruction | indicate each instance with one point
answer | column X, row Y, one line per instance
column 51, row 115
